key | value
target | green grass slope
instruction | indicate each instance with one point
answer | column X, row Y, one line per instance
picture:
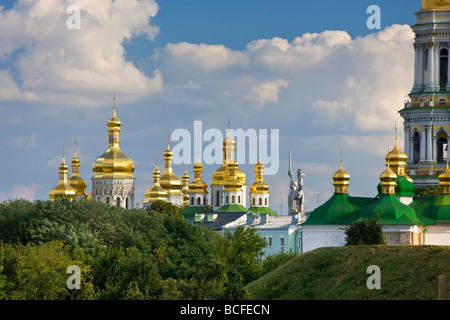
column 407, row 273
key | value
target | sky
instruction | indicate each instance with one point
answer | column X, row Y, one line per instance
column 312, row 70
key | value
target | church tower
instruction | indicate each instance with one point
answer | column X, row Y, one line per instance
column 63, row 190
column 427, row 113
column 113, row 179
column 222, row 175
column 78, row 183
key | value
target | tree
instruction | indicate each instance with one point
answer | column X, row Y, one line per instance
column 429, row 191
column 364, row 232
column 167, row 208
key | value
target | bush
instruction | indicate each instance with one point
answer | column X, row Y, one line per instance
column 364, row 232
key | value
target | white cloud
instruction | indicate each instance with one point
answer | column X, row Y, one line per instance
column 267, row 92
column 27, row 192
column 337, row 82
column 57, row 65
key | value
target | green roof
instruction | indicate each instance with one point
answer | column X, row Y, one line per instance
column 405, row 188
column 339, row 209
column 423, row 207
column 232, row 208
column 192, row 211
column 389, row 210
column 262, row 210
column 440, row 211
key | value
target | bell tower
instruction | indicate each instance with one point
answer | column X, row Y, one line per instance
column 427, row 113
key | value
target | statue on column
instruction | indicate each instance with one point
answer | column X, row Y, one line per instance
column 296, row 197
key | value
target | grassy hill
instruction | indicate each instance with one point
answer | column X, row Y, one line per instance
column 407, row 273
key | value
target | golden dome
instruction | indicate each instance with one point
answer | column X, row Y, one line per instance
column 198, row 186
column 185, row 188
column 397, row 159
column 435, row 4
column 233, row 183
column 78, row 183
column 341, row 180
column 63, row 189
column 113, row 163
column 444, row 179
column 169, row 181
column 388, row 180
column 156, row 192
column 259, row 186
column 221, row 175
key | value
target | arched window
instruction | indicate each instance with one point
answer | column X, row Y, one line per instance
column 254, row 201
column 107, row 200
column 265, row 201
column 260, row 201
column 442, row 149
column 192, row 200
column 217, row 198
column 127, row 205
column 199, row 201
column 227, row 200
column 443, row 72
column 204, row 201
column 233, row 199
column 118, row 201
column 239, row 199
column 416, row 142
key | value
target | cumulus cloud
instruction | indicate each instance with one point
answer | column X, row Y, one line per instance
column 338, row 82
column 55, row 64
column 27, row 192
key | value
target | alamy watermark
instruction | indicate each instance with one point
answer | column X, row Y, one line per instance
column 374, row 281
column 374, row 21
column 73, row 22
column 74, row 281
column 208, row 146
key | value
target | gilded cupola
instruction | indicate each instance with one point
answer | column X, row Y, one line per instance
column 341, row 180
column 78, row 183
column 221, row 175
column 114, row 163
column 185, row 189
column 397, row 159
column 259, row 186
column 435, row 4
column 388, row 181
column 444, row 181
column 156, row 192
column 198, row 185
column 63, row 189
column 169, row 181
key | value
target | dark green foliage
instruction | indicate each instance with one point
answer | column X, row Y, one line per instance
column 429, row 191
column 123, row 254
column 364, row 232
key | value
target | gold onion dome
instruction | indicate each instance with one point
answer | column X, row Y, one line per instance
column 233, row 183
column 341, row 180
column 198, row 185
column 397, row 159
column 435, row 4
column 114, row 163
column 185, row 188
column 221, row 175
column 156, row 192
column 259, row 186
column 388, row 181
column 444, row 179
column 63, row 189
column 169, row 181
column 78, row 183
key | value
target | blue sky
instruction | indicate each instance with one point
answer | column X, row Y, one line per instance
column 311, row 69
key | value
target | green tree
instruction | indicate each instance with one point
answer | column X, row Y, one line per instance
column 242, row 252
column 42, row 273
column 364, row 232
column 166, row 208
column 429, row 191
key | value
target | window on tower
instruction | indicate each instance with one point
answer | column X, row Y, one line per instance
column 416, row 142
column 443, row 72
